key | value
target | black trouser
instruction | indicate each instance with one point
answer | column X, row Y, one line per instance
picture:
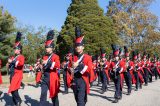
column 150, row 76
column 128, row 80
column 146, row 74
column 118, row 90
column 155, row 72
column 107, row 80
column 103, row 80
column 79, row 90
column 137, row 79
column 15, row 96
column 99, row 78
column 158, row 74
column 65, row 81
column 44, row 89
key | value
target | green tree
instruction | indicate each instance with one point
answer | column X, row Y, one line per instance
column 6, row 29
column 33, row 42
column 133, row 21
column 151, row 43
column 97, row 28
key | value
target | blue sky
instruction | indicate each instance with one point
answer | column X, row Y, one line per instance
column 50, row 13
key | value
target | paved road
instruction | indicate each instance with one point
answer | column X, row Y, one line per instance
column 148, row 96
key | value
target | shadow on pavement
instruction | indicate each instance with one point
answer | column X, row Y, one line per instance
column 30, row 102
column 33, row 85
column 104, row 97
column 7, row 99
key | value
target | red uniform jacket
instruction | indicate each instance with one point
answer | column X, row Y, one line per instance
column 18, row 74
column 121, row 65
column 54, row 79
column 69, row 76
column 155, row 64
column 141, row 66
column 38, row 75
column 158, row 64
column 139, row 71
column 94, row 67
column 92, row 75
column 146, row 65
column 107, row 69
column 87, row 61
column 158, row 67
column 131, row 64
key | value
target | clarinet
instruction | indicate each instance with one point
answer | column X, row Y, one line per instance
column 12, row 65
column 127, row 66
column 38, row 67
column 74, row 69
column 101, row 64
column 136, row 67
column 48, row 64
column 66, row 65
column 116, row 69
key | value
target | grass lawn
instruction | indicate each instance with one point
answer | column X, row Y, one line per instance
column 26, row 80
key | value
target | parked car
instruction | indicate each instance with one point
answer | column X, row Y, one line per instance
column 26, row 68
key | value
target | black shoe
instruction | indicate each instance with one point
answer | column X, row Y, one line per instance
column 65, row 92
column 19, row 103
column 102, row 91
column 136, row 89
column 22, row 85
column 115, row 101
column 140, row 86
column 145, row 84
column 108, row 83
column 106, row 88
column 120, row 97
column 37, row 85
column 129, row 92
